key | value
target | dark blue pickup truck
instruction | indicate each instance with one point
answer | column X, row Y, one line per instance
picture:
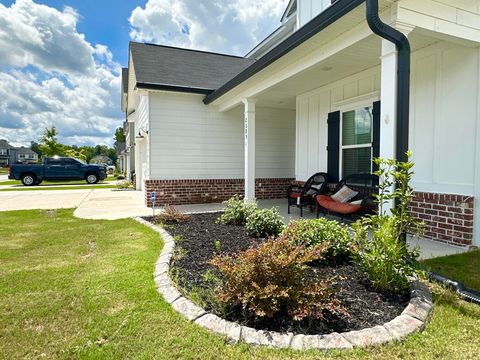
column 58, row 169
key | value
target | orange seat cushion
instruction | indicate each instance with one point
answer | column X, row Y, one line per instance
column 342, row 208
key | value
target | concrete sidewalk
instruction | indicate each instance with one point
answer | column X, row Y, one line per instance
column 112, row 205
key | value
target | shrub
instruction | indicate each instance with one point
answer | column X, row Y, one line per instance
column 313, row 232
column 380, row 240
column 170, row 213
column 272, row 279
column 384, row 259
column 237, row 211
column 263, row 223
column 124, row 185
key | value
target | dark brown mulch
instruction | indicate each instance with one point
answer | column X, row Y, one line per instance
column 196, row 245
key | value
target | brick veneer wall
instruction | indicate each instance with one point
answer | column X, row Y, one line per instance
column 177, row 192
column 448, row 218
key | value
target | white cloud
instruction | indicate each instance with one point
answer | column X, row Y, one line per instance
column 51, row 75
column 229, row 26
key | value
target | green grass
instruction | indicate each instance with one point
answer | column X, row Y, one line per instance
column 73, row 288
column 462, row 267
column 10, row 182
column 4, row 171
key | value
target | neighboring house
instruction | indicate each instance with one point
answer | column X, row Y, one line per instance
column 23, row 155
column 120, row 147
column 319, row 94
column 5, row 149
column 102, row 160
column 16, row 155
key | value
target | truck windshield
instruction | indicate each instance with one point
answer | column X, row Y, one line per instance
column 80, row 161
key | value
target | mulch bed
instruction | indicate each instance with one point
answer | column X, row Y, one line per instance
column 196, row 245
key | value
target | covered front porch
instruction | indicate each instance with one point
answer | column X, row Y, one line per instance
column 342, row 87
column 428, row 248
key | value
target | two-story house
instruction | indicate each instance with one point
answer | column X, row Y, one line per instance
column 16, row 155
column 338, row 83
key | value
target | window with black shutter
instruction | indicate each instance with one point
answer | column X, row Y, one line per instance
column 353, row 141
column 333, row 147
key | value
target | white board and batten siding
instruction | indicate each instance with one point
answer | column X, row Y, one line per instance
column 444, row 118
column 142, row 148
column 308, row 9
column 189, row 140
column 312, row 113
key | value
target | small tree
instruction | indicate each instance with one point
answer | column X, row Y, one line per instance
column 397, row 175
column 381, row 250
column 49, row 144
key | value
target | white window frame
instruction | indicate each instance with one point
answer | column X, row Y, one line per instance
column 354, row 107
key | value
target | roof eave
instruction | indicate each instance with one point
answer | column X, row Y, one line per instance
column 173, row 88
column 317, row 24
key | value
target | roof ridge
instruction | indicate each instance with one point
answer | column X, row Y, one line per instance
column 192, row 50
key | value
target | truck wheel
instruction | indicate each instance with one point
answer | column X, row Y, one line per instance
column 29, row 179
column 91, row 178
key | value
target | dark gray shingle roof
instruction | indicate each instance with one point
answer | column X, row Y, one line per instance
column 25, row 150
column 4, row 144
column 125, row 79
column 182, row 68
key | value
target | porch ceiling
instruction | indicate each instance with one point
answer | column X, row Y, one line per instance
column 359, row 57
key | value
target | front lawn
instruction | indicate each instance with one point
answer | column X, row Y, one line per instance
column 461, row 267
column 4, row 170
column 74, row 288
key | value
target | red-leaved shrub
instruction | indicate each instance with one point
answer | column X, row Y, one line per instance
column 273, row 278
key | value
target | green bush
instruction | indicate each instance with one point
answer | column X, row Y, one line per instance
column 386, row 261
column 313, row 232
column 380, row 240
column 272, row 279
column 264, row 222
column 237, row 211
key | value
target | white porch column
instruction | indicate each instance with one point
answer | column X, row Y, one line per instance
column 476, row 199
column 388, row 113
column 249, row 125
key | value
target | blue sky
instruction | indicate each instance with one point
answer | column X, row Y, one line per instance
column 102, row 21
column 61, row 60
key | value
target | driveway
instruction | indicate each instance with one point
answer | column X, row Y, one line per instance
column 44, row 199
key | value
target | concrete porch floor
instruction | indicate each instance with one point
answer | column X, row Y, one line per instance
column 428, row 248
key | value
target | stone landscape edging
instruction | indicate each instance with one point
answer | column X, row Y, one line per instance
column 413, row 317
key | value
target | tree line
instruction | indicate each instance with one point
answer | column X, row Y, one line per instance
column 49, row 146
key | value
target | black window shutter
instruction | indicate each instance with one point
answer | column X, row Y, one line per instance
column 376, row 133
column 333, row 147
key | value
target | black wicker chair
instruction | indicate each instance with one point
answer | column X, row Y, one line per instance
column 364, row 184
column 301, row 196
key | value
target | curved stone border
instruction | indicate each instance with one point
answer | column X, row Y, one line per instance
column 412, row 319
